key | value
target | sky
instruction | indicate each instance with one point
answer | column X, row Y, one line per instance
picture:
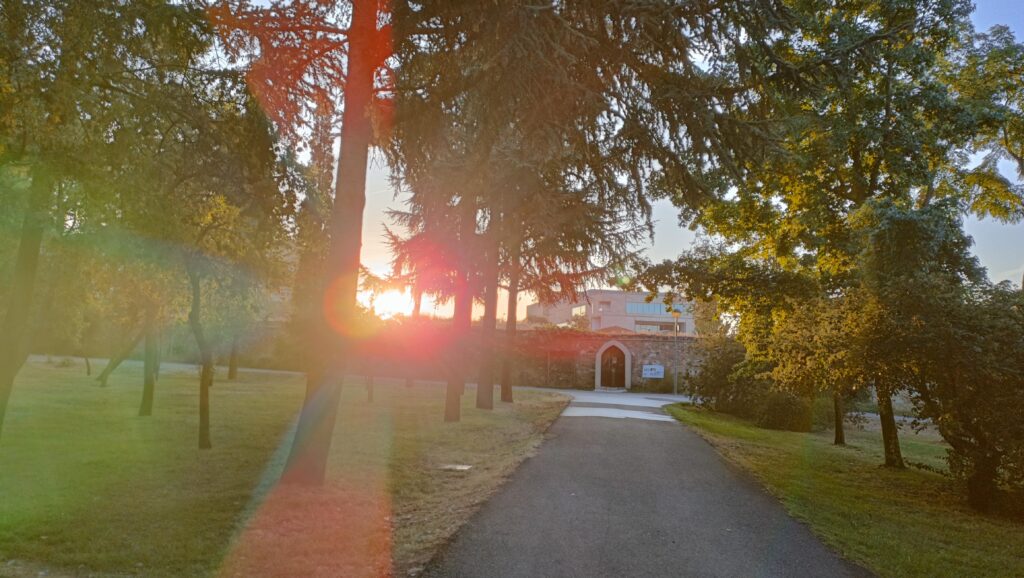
column 999, row 247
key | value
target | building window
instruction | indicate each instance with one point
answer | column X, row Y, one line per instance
column 649, row 309
column 649, row 327
column 579, row 310
column 604, row 306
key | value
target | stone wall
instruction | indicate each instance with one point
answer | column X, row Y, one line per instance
column 568, row 358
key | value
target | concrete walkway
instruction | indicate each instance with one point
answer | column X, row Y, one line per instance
column 621, row 489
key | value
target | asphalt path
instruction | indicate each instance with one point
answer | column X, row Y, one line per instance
column 615, row 493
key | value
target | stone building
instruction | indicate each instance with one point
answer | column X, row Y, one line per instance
column 616, row 310
column 596, row 360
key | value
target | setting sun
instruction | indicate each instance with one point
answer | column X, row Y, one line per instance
column 387, row 304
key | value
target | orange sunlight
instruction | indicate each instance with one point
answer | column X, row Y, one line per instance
column 387, row 304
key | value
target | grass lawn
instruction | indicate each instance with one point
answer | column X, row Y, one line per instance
column 87, row 488
column 897, row 523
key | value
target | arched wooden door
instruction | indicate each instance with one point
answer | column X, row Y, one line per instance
column 613, row 367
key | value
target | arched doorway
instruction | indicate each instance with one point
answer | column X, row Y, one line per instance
column 613, row 366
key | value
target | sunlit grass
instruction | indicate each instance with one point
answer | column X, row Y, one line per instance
column 87, row 487
column 897, row 523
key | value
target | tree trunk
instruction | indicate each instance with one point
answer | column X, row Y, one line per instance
column 838, row 413
column 205, row 383
column 307, row 459
column 488, row 325
column 981, row 483
column 205, row 358
column 88, row 366
column 890, row 433
column 148, row 366
column 157, row 357
column 417, row 305
column 233, row 360
column 115, row 362
column 511, row 318
column 461, row 318
column 462, row 324
column 13, row 350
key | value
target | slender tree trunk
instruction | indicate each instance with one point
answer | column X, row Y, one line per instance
column 13, row 350
column 205, row 358
column 982, row 488
column 307, row 460
column 511, row 314
column 233, row 359
column 149, row 366
column 890, row 433
column 462, row 316
column 88, row 366
column 157, row 357
column 488, row 325
column 119, row 357
column 205, row 383
column 461, row 324
column 417, row 305
column 838, row 414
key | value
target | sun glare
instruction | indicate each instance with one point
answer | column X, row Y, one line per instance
column 388, row 304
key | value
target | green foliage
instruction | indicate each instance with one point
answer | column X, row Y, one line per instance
column 838, row 251
column 656, row 385
column 723, row 380
column 581, row 322
column 146, row 159
column 969, row 385
column 783, row 410
column 924, row 318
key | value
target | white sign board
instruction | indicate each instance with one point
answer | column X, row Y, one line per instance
column 654, row 371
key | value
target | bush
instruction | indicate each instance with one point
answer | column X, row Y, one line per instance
column 749, row 389
column 822, row 413
column 979, row 408
column 723, row 380
column 662, row 385
column 729, row 383
column 785, row 411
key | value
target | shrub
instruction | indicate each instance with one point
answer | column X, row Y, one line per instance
column 662, row 385
column 823, row 412
column 785, row 411
column 723, row 380
column 971, row 389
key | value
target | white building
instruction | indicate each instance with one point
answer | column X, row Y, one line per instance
column 608, row 310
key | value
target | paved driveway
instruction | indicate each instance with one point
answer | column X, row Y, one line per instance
column 621, row 489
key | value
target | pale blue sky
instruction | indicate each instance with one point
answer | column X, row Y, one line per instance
column 999, row 247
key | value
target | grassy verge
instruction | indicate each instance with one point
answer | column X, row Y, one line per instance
column 901, row 405
column 897, row 523
column 87, row 488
